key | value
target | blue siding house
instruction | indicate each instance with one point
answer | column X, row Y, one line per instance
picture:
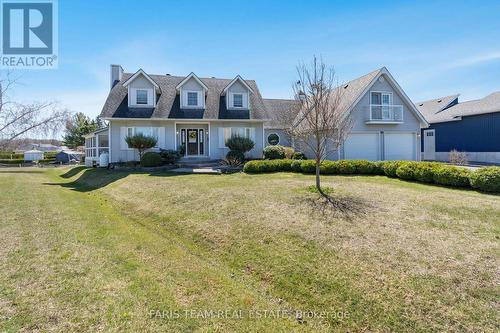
column 472, row 127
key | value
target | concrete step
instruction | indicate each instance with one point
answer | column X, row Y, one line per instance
column 204, row 170
column 197, row 163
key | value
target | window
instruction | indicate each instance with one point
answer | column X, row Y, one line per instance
column 273, row 139
column 237, row 100
column 147, row 131
column 376, row 98
column 429, row 133
column 228, row 132
column 141, row 96
column 381, row 98
column 192, row 98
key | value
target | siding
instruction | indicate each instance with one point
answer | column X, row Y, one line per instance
column 479, row 133
column 168, row 142
column 284, row 139
column 360, row 113
column 219, row 153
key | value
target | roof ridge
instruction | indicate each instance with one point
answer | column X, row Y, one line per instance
column 184, row 76
column 280, row 99
column 435, row 99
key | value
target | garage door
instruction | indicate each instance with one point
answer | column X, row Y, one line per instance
column 399, row 146
column 362, row 147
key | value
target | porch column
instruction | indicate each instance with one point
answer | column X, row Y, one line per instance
column 97, row 146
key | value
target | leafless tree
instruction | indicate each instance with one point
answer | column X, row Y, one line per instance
column 18, row 120
column 322, row 123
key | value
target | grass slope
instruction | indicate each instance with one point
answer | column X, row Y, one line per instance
column 94, row 250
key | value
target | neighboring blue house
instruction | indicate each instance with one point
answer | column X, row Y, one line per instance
column 472, row 127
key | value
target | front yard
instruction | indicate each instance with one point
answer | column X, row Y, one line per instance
column 96, row 250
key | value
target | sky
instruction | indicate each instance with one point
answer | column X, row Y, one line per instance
column 432, row 48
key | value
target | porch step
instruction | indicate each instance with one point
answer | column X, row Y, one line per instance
column 197, row 163
column 202, row 170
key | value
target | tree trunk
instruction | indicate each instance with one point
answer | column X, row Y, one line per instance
column 318, row 179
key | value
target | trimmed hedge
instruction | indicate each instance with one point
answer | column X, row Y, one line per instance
column 452, row 176
column 390, row 168
column 485, row 179
column 299, row 156
column 12, row 161
column 274, row 152
column 49, row 155
column 263, row 166
column 151, row 159
column 10, row 156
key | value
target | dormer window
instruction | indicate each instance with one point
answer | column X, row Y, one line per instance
column 192, row 98
column 142, row 90
column 237, row 100
column 238, row 94
column 192, row 92
column 142, row 96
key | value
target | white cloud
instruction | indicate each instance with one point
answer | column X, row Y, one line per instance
column 473, row 60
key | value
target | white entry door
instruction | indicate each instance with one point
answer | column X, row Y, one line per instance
column 362, row 146
column 429, row 145
column 400, row 146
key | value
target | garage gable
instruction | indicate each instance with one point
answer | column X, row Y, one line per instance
column 384, row 83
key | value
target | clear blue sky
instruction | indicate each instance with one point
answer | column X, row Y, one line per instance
column 432, row 48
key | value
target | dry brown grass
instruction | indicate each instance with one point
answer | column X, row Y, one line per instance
column 403, row 257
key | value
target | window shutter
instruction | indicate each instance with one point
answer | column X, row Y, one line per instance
column 245, row 101
column 123, row 134
column 230, row 100
column 201, row 101
column 221, row 137
column 150, row 96
column 161, row 137
column 252, row 133
column 133, row 96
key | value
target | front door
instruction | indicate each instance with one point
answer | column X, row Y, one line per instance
column 429, row 145
column 192, row 142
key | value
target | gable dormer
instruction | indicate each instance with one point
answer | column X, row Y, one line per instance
column 237, row 94
column 192, row 92
column 142, row 90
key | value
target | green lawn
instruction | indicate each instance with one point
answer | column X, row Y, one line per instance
column 96, row 250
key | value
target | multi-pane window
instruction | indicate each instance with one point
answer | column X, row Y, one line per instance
column 142, row 96
column 245, row 132
column 147, row 131
column 238, row 100
column 192, row 98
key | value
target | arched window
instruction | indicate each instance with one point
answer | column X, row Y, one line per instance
column 273, row 139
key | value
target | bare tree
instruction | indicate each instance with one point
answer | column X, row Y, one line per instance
column 18, row 119
column 322, row 123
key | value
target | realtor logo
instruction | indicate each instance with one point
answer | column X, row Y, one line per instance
column 29, row 34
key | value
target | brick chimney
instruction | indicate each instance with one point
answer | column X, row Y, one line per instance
column 116, row 75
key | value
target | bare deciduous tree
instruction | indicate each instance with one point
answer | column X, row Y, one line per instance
column 322, row 123
column 18, row 119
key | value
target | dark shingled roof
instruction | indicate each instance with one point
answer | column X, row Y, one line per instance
column 168, row 106
column 281, row 111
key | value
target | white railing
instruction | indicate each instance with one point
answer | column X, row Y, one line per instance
column 386, row 113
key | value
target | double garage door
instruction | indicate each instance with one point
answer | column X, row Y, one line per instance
column 380, row 146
